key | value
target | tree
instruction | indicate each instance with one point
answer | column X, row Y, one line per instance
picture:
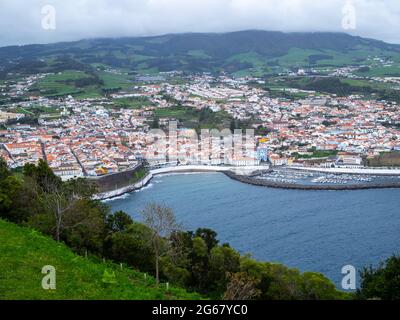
column 223, row 260
column 200, row 265
column 131, row 246
column 161, row 220
column 118, row 222
column 84, row 226
column 42, row 175
column 232, row 126
column 241, row 287
column 62, row 202
column 317, row 286
column 59, row 200
column 177, row 265
column 9, row 187
column 209, row 236
column 155, row 124
column 382, row 282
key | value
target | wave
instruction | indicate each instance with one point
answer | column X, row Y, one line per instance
column 149, row 186
column 123, row 196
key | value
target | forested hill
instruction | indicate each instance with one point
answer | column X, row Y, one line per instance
column 198, row 52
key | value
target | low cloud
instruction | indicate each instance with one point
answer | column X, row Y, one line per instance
column 21, row 21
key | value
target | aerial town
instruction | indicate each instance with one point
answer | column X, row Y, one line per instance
column 92, row 137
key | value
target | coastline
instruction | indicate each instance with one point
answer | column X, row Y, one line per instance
column 177, row 169
column 121, row 191
column 248, row 175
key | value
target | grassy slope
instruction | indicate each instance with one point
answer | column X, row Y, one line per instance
column 23, row 253
column 112, row 81
column 54, row 85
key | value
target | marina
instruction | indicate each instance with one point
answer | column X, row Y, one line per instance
column 313, row 178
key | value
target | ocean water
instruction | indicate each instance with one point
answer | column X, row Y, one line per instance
column 310, row 230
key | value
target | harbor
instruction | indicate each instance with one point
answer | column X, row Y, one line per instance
column 314, row 231
column 266, row 176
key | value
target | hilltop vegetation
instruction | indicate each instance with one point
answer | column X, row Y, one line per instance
column 340, row 87
column 239, row 53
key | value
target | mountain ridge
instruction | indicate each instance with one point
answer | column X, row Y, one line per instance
column 209, row 52
column 201, row 33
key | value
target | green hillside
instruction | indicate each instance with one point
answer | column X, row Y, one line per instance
column 24, row 252
column 243, row 52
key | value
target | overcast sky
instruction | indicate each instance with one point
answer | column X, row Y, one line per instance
column 21, row 20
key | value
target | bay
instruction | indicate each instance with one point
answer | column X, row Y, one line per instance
column 310, row 230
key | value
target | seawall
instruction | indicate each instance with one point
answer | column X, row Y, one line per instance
column 120, row 191
column 114, row 181
column 265, row 183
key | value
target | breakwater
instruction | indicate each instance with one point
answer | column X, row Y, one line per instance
column 282, row 185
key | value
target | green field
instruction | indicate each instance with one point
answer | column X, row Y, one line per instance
column 24, row 252
column 24, row 111
column 296, row 57
column 199, row 54
column 181, row 113
column 57, row 84
column 249, row 57
column 131, row 102
column 299, row 57
column 382, row 71
column 315, row 154
column 88, row 93
column 368, row 83
column 63, row 83
column 369, row 89
column 113, row 81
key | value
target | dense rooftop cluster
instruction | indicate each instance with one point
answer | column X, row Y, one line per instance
column 94, row 137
